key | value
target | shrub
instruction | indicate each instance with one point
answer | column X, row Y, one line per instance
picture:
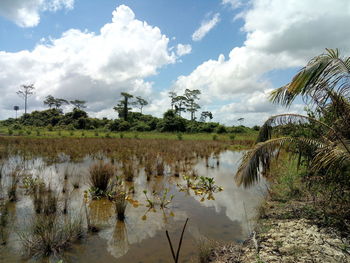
column 220, row 129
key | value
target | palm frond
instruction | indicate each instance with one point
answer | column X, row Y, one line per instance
column 257, row 161
column 332, row 155
column 323, row 73
column 265, row 132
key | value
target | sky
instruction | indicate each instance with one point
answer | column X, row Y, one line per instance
column 234, row 51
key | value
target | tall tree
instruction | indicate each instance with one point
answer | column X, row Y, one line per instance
column 26, row 91
column 172, row 96
column 140, row 103
column 59, row 102
column 16, row 108
column 240, row 120
column 78, row 104
column 180, row 103
column 205, row 115
column 50, row 101
column 191, row 105
column 123, row 106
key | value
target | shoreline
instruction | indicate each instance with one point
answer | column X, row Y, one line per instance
column 280, row 236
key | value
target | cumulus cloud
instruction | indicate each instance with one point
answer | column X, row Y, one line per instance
column 90, row 66
column 182, row 50
column 27, row 13
column 279, row 35
column 205, row 27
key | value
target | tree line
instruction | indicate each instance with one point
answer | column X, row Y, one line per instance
column 172, row 121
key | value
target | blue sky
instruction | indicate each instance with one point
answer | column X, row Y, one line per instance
column 234, row 51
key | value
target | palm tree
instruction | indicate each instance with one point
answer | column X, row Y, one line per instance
column 324, row 84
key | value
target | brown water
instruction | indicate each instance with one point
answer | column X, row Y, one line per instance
column 141, row 238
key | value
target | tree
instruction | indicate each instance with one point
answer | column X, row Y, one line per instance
column 140, row 103
column 324, row 84
column 59, row 102
column 26, row 91
column 172, row 96
column 16, row 108
column 49, row 101
column 191, row 106
column 205, row 115
column 78, row 104
column 179, row 103
column 123, row 106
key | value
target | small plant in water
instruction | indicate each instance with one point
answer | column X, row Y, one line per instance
column 100, row 175
column 150, row 202
column 164, row 199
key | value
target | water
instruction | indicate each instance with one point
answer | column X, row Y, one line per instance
column 141, row 238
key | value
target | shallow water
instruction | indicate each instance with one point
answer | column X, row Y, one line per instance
column 141, row 238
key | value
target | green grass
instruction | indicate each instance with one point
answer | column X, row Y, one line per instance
column 34, row 132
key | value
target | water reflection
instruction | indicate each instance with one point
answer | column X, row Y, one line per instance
column 225, row 215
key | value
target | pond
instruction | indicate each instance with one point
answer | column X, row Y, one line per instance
column 225, row 214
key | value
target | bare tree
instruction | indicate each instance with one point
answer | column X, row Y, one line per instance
column 26, row 91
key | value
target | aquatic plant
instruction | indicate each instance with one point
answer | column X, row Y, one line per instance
column 164, row 199
column 100, row 175
column 49, row 236
column 120, row 204
column 128, row 170
column 150, row 202
column 160, row 167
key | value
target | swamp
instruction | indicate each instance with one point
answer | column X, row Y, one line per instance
column 112, row 199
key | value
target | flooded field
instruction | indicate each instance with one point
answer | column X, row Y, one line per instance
column 163, row 183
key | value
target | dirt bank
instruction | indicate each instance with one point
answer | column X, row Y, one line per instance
column 282, row 239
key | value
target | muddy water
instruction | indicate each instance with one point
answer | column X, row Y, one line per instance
column 141, row 238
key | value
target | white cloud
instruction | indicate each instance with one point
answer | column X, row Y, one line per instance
column 94, row 67
column 279, row 35
column 26, row 13
column 205, row 27
column 182, row 50
column 233, row 3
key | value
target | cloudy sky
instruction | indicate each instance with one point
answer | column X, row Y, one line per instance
column 234, row 51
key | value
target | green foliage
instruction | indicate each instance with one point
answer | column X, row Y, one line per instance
column 220, row 129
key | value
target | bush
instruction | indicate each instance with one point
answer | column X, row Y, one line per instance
column 238, row 129
column 220, row 129
column 141, row 126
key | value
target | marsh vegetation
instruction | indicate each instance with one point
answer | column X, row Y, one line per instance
column 114, row 198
